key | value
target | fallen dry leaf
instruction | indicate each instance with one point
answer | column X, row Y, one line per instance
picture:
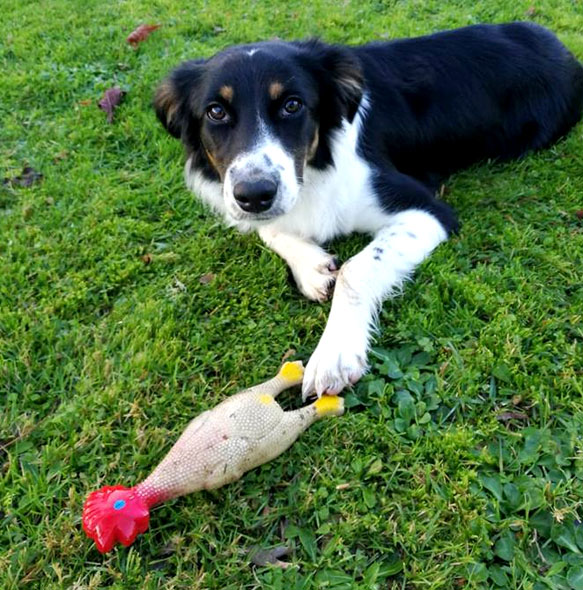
column 147, row 259
column 579, row 214
column 111, row 99
column 27, row 178
column 263, row 557
column 530, row 11
column 62, row 155
column 505, row 416
column 141, row 34
column 206, row 278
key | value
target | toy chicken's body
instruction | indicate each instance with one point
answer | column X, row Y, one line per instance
column 218, row 446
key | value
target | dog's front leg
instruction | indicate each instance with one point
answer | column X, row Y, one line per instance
column 314, row 270
column 362, row 284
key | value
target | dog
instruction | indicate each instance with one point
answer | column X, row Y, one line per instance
column 305, row 141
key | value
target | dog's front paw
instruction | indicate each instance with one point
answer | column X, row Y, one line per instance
column 337, row 362
column 315, row 276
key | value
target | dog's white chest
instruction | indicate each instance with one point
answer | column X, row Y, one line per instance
column 339, row 200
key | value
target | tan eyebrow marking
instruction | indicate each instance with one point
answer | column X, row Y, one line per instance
column 226, row 92
column 275, row 90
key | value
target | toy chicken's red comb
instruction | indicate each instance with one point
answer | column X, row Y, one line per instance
column 114, row 514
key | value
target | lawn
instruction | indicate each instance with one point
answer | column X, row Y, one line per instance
column 126, row 308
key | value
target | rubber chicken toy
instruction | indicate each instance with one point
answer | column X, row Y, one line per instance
column 217, row 447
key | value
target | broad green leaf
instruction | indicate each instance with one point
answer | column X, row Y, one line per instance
column 406, row 406
column 530, row 450
column 563, row 535
column 575, row 577
column 291, row 531
column 512, row 495
column 308, row 541
column 498, row 576
column 369, row 497
column 377, row 386
column 381, row 354
column 375, row 467
column 400, row 425
column 390, row 568
column 477, row 572
column 420, row 359
column 579, row 535
column 493, row 484
column 352, row 401
column 333, row 579
column 432, row 402
column 556, row 568
column 542, row 521
column 416, row 387
column 413, row 432
column 502, row 372
column 404, row 355
column 392, row 369
column 425, row 419
column 371, row 574
column 504, row 546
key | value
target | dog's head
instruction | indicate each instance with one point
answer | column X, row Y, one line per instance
column 252, row 117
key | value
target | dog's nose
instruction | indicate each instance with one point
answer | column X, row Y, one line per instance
column 256, row 196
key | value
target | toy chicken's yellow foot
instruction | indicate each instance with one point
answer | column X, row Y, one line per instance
column 217, row 447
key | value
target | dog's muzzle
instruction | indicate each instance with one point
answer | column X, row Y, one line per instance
column 255, row 196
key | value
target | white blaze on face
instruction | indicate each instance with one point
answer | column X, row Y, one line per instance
column 267, row 160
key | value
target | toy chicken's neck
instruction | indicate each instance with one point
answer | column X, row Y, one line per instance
column 151, row 495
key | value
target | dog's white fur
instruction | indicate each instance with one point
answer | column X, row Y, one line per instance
column 327, row 204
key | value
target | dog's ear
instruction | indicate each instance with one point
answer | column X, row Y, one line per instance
column 346, row 77
column 338, row 73
column 174, row 96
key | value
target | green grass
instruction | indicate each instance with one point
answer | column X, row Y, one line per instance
column 461, row 451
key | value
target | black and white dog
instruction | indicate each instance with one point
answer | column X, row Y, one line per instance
column 304, row 141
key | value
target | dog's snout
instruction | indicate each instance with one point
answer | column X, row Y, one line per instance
column 256, row 196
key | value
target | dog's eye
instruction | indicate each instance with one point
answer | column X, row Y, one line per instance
column 292, row 106
column 215, row 112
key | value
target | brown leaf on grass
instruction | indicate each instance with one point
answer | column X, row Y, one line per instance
column 27, row 178
column 263, row 557
column 579, row 214
column 147, row 259
column 111, row 99
column 206, row 278
column 530, row 11
column 506, row 416
column 141, row 34
column 62, row 155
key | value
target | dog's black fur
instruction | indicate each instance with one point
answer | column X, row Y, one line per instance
column 305, row 141
column 436, row 104
column 462, row 96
